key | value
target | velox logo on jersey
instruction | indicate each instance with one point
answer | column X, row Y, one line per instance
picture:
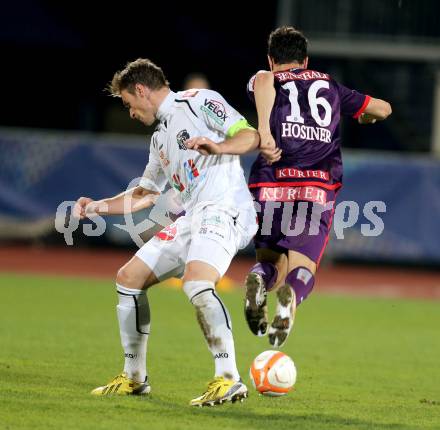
column 182, row 137
column 215, row 110
column 190, row 170
column 168, row 233
column 291, row 194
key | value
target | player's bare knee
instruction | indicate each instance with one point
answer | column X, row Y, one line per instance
column 128, row 279
column 192, row 273
column 199, row 271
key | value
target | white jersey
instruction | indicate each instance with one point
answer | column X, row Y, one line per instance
column 198, row 179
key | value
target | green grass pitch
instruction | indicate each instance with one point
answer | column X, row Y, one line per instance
column 362, row 363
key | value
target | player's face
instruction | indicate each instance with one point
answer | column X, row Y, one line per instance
column 139, row 105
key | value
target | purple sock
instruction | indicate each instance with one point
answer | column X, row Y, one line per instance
column 302, row 281
column 268, row 272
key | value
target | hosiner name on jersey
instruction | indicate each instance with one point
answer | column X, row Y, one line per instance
column 301, row 131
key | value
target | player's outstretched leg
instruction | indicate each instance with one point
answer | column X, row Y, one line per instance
column 259, row 280
column 134, row 325
column 215, row 323
column 299, row 284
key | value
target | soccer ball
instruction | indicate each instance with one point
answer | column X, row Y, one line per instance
column 273, row 373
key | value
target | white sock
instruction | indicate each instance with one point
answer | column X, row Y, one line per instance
column 216, row 325
column 134, row 326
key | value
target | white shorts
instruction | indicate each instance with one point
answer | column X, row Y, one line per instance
column 212, row 234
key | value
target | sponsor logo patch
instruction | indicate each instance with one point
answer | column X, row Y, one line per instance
column 306, row 75
column 213, row 226
column 128, row 355
column 290, row 172
column 291, row 194
column 212, row 220
column 304, row 275
column 177, row 183
column 168, row 233
column 190, row 170
column 221, row 355
column 182, row 137
column 215, row 110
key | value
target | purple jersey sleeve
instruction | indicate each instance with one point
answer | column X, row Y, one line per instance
column 352, row 102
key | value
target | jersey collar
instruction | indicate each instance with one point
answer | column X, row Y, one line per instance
column 165, row 106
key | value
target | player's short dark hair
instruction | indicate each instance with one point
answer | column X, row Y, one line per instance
column 287, row 45
column 141, row 71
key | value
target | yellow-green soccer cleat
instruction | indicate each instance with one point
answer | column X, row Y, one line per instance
column 221, row 390
column 122, row 385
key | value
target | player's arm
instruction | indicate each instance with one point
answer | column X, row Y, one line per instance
column 241, row 139
column 135, row 199
column 129, row 201
column 376, row 110
column 264, row 94
column 366, row 109
column 240, row 142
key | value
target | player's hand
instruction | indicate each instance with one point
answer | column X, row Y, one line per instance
column 271, row 155
column 266, row 140
column 366, row 118
column 84, row 207
column 203, row 145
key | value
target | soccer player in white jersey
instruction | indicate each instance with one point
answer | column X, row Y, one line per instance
column 219, row 220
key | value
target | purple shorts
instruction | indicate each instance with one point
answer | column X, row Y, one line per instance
column 290, row 224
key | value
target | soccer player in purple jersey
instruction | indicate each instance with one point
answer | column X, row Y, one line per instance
column 296, row 177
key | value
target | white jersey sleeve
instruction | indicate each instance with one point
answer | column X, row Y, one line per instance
column 153, row 177
column 217, row 113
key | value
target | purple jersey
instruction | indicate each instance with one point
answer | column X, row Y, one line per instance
column 305, row 124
